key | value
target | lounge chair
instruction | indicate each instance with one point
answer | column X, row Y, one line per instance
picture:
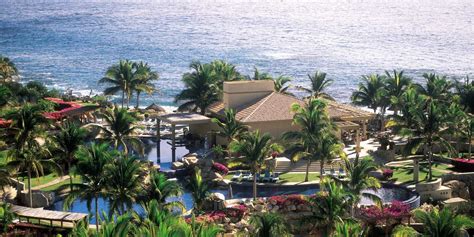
column 245, row 176
column 250, row 177
column 275, row 177
column 258, row 177
column 237, row 176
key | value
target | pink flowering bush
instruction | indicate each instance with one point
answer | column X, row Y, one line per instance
column 463, row 165
column 387, row 173
column 288, row 200
column 220, row 168
column 396, row 210
column 237, row 211
column 210, row 217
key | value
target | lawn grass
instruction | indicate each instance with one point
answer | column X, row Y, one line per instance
column 54, row 188
column 40, row 180
column 290, row 177
column 405, row 174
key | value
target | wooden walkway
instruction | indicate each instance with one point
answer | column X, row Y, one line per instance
column 40, row 216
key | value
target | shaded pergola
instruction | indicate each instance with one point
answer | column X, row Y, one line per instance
column 179, row 119
column 347, row 118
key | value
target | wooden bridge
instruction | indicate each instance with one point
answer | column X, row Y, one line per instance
column 55, row 219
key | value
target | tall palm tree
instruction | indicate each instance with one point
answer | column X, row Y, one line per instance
column 443, row 223
column 160, row 189
column 119, row 130
column 225, row 72
column 457, row 121
column 120, row 76
column 280, row 85
column 201, row 88
column 255, row 148
column 429, row 128
column 124, row 183
column 436, row 88
column 27, row 123
column 5, row 180
column 373, row 94
column 8, row 70
column 268, row 224
column 319, row 84
column 315, row 124
column 465, row 90
column 230, row 128
column 33, row 158
column 396, row 84
column 330, row 206
column 199, row 188
column 358, row 179
column 92, row 160
column 143, row 80
column 67, row 141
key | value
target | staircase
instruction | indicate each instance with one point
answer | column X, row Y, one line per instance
column 284, row 166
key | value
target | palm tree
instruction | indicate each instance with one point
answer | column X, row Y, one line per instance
column 404, row 231
column 465, row 90
column 28, row 154
column 203, row 229
column 429, row 124
column 255, row 148
column 119, row 130
column 4, row 179
column 8, row 70
column 143, row 80
column 68, row 140
column 444, row 223
column 158, row 222
column 33, row 158
column 319, row 83
column 457, row 122
column 349, row 228
column 396, row 85
column 315, row 124
column 225, row 72
column 120, row 77
column 92, row 160
column 373, row 94
column 121, row 226
column 230, row 128
column 7, row 216
column 160, row 189
column 280, row 85
column 268, row 224
column 201, row 88
column 330, row 206
column 199, row 190
column 124, row 183
column 358, row 179
column 257, row 75
column 437, row 88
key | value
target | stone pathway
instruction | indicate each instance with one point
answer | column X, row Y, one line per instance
column 52, row 182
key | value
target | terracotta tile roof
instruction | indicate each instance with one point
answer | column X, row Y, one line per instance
column 277, row 107
column 273, row 107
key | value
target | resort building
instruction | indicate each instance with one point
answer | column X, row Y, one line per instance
column 259, row 107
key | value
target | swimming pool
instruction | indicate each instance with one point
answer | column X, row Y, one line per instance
column 388, row 193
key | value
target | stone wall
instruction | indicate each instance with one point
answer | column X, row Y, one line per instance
column 467, row 178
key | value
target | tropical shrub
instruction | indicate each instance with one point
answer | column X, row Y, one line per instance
column 387, row 173
column 464, row 165
column 220, row 168
column 396, row 210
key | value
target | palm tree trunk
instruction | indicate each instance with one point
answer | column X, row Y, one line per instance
column 29, row 187
column 470, row 146
column 123, row 97
column 69, row 172
column 138, row 99
column 308, row 163
column 430, row 162
column 97, row 218
column 254, row 185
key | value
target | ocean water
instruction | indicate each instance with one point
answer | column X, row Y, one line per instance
column 69, row 44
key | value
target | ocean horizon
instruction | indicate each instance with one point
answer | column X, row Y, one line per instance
column 69, row 44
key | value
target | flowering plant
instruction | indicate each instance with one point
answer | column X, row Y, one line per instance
column 396, row 210
column 220, row 168
column 387, row 173
column 237, row 211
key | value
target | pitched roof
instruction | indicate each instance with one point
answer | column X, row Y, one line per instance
column 277, row 107
column 273, row 107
